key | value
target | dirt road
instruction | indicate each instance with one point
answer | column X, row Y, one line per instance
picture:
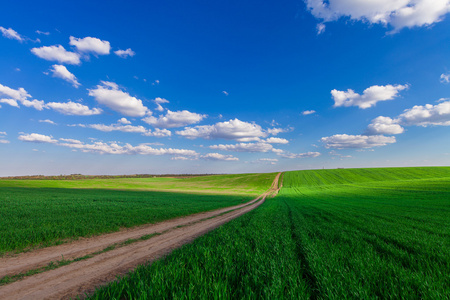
column 83, row 276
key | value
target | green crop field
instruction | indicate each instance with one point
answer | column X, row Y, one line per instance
column 236, row 184
column 36, row 213
column 329, row 234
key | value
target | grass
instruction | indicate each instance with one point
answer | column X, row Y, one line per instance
column 329, row 234
column 40, row 215
column 235, row 184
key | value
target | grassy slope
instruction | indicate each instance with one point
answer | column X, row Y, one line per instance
column 236, row 184
column 381, row 233
column 44, row 216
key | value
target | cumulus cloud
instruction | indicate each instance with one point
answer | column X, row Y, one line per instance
column 106, row 148
column 244, row 147
column 4, row 141
column 396, row 14
column 160, row 101
column 47, row 121
column 128, row 128
column 274, row 140
column 225, row 93
column 57, row 53
column 345, row 141
column 218, row 156
column 36, row 104
column 60, row 71
column 308, row 112
column 124, row 121
column 445, row 78
column 109, row 94
column 299, row 155
column 11, row 34
column 73, row 108
column 426, row 115
column 174, row 119
column 91, row 45
column 11, row 102
column 19, row 95
column 384, row 125
column 125, row 53
column 37, row 138
column 275, row 131
column 370, row 96
column 230, row 130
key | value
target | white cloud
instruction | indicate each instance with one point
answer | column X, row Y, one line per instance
column 299, row 155
column 91, row 45
column 397, row 14
column 117, row 127
column 384, row 125
column 60, row 71
column 125, row 53
column 11, row 102
column 308, row 112
column 73, row 109
column 232, row 129
column 2, row 137
column 225, row 93
column 47, row 121
column 218, row 156
column 128, row 128
column 275, row 131
column 11, row 34
column 244, row 147
column 124, row 121
column 156, row 82
column 117, row 148
column 37, row 138
column 445, row 78
column 174, row 119
column 42, row 32
column 57, row 53
column 19, row 94
column 106, row 148
column 274, row 140
column 345, row 141
column 320, row 28
column 158, row 133
column 426, row 115
column 36, row 104
column 109, row 94
column 370, row 96
column 160, row 101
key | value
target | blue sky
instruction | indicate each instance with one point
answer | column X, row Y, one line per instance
column 223, row 86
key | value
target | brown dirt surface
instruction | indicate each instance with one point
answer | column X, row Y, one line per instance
column 83, row 276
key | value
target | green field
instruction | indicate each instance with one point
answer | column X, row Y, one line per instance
column 37, row 213
column 329, row 234
column 236, row 184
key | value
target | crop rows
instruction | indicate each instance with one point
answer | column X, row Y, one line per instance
column 329, row 234
column 32, row 217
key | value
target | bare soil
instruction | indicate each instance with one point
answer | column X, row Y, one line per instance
column 83, row 276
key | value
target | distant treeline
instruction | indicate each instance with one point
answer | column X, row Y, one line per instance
column 80, row 176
